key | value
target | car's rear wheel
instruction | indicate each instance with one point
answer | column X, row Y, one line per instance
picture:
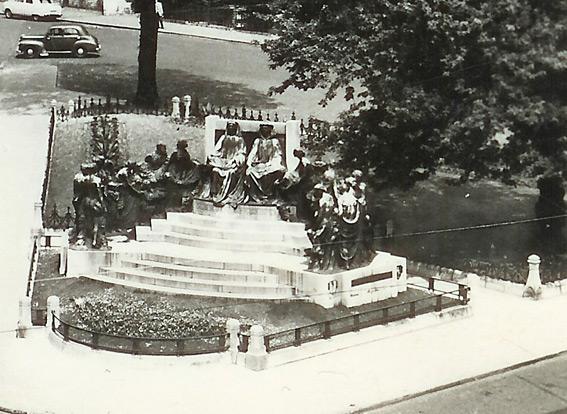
column 35, row 18
column 80, row 52
column 8, row 14
column 31, row 52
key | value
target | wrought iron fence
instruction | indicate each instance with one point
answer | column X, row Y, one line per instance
column 140, row 345
column 83, row 107
column 438, row 301
column 246, row 17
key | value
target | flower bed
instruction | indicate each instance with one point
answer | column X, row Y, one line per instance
column 126, row 314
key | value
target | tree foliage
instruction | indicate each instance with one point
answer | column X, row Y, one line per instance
column 472, row 84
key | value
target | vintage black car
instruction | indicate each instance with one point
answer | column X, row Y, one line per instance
column 59, row 39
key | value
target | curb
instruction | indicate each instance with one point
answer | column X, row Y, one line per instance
column 126, row 27
column 458, row 383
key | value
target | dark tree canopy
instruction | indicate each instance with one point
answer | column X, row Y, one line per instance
column 477, row 85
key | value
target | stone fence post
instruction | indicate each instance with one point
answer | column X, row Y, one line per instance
column 232, row 327
column 256, row 358
column 63, row 252
column 53, row 306
column 187, row 102
column 533, row 284
column 175, row 107
column 37, row 226
column 24, row 320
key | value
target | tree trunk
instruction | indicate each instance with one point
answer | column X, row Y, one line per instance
column 147, row 94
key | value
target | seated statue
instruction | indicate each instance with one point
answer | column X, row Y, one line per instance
column 265, row 165
column 90, row 208
column 157, row 161
column 227, row 166
column 183, row 175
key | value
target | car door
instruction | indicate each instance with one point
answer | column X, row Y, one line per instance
column 70, row 36
column 55, row 40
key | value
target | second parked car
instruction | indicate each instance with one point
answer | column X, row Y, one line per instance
column 59, row 39
column 36, row 9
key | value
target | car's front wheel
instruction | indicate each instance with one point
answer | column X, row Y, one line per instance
column 30, row 52
column 8, row 14
column 80, row 52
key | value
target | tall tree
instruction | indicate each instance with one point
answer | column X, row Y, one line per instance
column 432, row 82
column 147, row 92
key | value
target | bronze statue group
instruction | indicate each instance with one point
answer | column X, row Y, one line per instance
column 108, row 199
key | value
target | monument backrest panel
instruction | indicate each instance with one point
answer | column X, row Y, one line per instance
column 250, row 136
column 288, row 134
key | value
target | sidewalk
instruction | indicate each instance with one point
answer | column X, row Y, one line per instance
column 38, row 377
column 131, row 21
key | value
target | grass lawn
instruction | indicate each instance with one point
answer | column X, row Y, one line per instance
column 273, row 316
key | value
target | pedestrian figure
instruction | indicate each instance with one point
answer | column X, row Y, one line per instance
column 159, row 12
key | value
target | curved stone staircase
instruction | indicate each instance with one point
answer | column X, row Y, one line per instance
column 244, row 253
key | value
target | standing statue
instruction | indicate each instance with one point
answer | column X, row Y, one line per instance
column 90, row 209
column 227, row 168
column 183, row 175
column 323, row 232
column 265, row 165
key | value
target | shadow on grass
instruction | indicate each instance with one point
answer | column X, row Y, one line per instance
column 120, row 81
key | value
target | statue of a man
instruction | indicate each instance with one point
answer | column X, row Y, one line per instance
column 90, row 209
column 228, row 164
column 265, row 165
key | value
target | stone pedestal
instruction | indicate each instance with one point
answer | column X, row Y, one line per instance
column 256, row 357
column 24, row 320
column 533, row 284
column 232, row 327
column 53, row 307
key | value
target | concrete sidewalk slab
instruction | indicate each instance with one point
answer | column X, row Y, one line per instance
column 131, row 22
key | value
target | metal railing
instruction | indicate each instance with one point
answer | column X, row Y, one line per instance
column 139, row 345
column 437, row 301
column 82, row 107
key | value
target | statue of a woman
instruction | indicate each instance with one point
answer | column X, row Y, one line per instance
column 183, row 174
column 265, row 165
column 227, row 168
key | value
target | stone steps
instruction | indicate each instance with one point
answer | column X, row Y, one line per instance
column 236, row 224
column 198, row 272
column 234, row 245
column 231, row 233
column 255, row 212
column 128, row 276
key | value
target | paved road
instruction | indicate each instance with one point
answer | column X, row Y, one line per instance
column 224, row 73
column 539, row 388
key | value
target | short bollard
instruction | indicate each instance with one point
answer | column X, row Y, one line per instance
column 175, row 107
column 63, row 252
column 256, row 358
column 187, row 103
column 232, row 327
column 53, row 308
column 533, row 284
column 24, row 320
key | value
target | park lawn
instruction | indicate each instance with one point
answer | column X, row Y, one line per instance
column 273, row 316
